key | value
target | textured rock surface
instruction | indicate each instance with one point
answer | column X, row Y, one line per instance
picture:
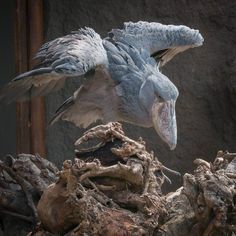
column 206, row 76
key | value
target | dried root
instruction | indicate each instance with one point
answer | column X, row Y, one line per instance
column 22, row 181
column 207, row 200
column 125, row 196
column 114, row 188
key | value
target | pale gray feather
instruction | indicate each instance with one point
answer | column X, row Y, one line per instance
column 72, row 55
column 95, row 100
column 121, row 76
column 162, row 42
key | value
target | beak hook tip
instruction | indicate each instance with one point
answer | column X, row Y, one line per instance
column 172, row 147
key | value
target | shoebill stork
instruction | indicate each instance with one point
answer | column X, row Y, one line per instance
column 121, row 77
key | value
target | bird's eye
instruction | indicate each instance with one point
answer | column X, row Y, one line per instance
column 160, row 98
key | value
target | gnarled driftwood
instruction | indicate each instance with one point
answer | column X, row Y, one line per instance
column 113, row 187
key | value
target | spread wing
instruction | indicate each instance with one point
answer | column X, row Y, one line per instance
column 95, row 100
column 65, row 57
column 162, row 42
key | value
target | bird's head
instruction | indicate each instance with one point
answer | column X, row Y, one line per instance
column 158, row 95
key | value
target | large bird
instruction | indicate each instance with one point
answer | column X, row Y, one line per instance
column 121, row 77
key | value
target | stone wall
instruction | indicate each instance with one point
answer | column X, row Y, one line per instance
column 205, row 77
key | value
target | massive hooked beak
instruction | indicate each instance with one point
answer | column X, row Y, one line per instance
column 164, row 121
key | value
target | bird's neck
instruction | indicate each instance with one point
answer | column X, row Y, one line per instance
column 131, row 111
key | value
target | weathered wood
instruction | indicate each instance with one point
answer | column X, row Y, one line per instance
column 25, row 176
column 21, row 54
column 30, row 116
column 37, row 106
column 124, row 197
column 89, row 198
column 204, row 206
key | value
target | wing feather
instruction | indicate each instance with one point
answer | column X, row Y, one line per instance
column 69, row 56
column 95, row 100
column 162, row 42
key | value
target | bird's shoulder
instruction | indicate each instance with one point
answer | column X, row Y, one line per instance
column 126, row 62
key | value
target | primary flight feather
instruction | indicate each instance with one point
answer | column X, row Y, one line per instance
column 121, row 75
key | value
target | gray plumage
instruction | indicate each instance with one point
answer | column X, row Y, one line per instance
column 122, row 77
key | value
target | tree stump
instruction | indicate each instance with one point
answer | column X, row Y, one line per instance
column 113, row 188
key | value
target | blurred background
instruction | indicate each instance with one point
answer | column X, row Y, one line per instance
column 205, row 76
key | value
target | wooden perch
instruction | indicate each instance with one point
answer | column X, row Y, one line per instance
column 113, row 188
